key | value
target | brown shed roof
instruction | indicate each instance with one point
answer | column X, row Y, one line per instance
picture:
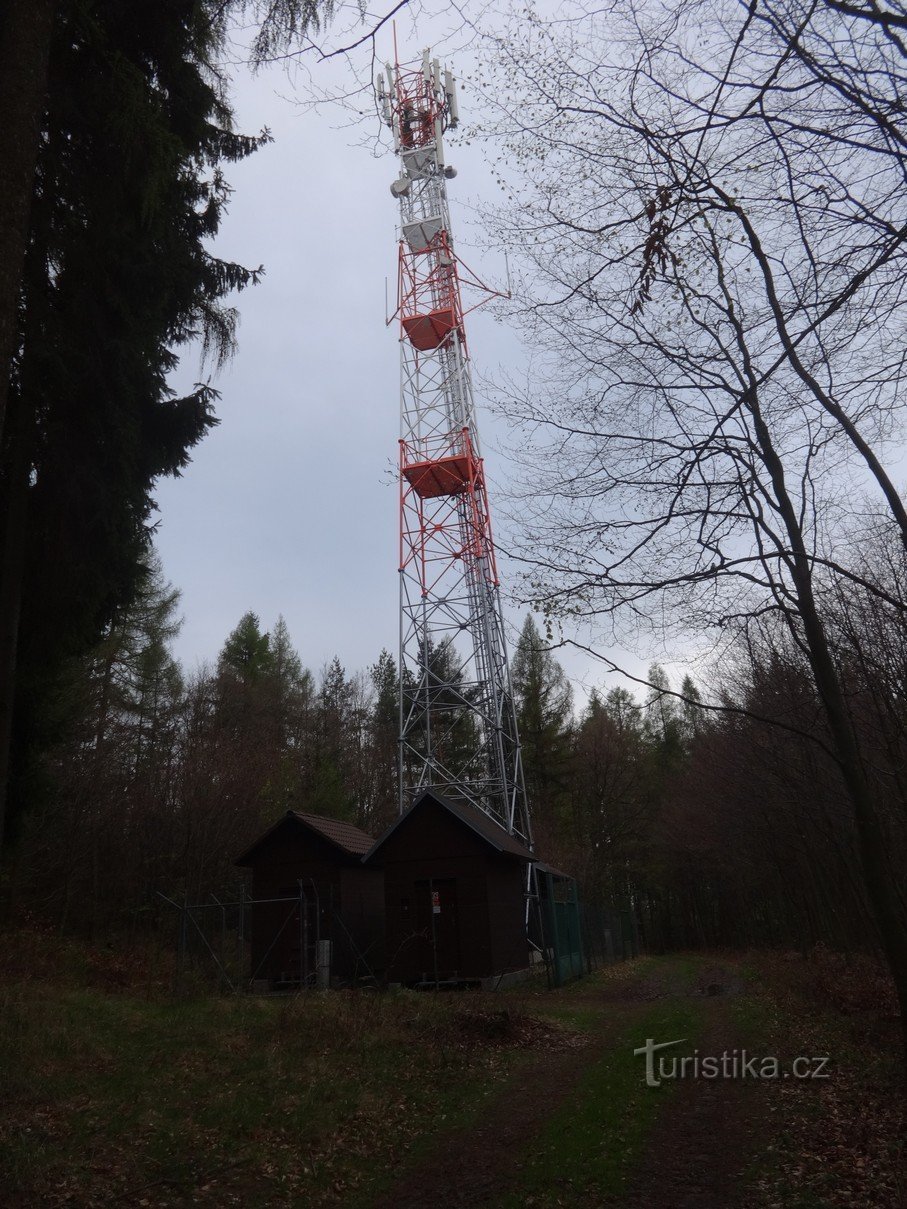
column 479, row 822
column 349, row 839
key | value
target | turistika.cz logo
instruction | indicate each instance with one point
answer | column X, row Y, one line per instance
column 730, row 1064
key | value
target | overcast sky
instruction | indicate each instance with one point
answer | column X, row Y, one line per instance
column 290, row 505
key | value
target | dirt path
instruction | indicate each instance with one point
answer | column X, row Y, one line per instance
column 474, row 1165
column 701, row 1141
column 707, row 1134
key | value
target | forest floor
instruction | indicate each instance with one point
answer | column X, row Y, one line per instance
column 115, row 1093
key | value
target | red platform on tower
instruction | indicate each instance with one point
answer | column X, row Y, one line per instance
column 430, row 331
column 444, row 476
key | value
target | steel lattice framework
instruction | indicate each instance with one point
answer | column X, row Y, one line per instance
column 458, row 728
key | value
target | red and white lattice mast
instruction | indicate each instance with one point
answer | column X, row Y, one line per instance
column 458, row 729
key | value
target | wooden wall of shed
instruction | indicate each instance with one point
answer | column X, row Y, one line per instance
column 507, row 909
column 432, row 845
column 362, row 911
column 344, row 888
column 290, row 854
column 408, row 921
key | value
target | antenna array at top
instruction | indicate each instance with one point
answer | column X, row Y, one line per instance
column 418, row 103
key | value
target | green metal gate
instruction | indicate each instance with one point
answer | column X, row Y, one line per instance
column 564, row 934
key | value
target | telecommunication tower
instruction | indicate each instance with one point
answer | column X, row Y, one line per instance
column 458, row 728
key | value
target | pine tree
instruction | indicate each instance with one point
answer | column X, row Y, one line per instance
column 117, row 277
column 690, row 713
column 623, row 708
column 384, row 724
column 113, row 782
column 455, row 738
column 246, row 655
column 544, row 714
column 285, row 661
column 337, row 743
column 663, row 719
column 611, row 797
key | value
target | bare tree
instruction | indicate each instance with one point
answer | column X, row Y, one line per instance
column 713, row 239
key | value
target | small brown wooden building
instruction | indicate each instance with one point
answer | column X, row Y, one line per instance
column 455, row 895
column 309, row 886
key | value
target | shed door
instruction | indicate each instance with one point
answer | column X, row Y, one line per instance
column 437, row 899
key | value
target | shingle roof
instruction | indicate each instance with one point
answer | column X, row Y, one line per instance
column 349, row 839
column 479, row 822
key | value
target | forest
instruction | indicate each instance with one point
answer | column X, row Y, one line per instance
column 764, row 803
column 724, row 826
column 701, row 214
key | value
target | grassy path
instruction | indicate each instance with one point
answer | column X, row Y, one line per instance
column 397, row 1101
column 583, row 1128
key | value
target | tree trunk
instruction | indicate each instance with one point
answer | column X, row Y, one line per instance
column 25, row 36
column 13, row 524
column 26, row 28
column 877, row 876
column 870, row 839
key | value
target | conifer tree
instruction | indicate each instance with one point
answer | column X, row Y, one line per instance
column 544, row 714
column 117, row 277
column 292, row 693
column 664, row 724
column 611, row 793
column 115, row 130
column 247, row 655
column 286, row 664
column 114, row 778
column 384, row 724
column 336, row 744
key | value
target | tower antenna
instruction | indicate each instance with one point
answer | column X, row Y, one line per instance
column 458, row 726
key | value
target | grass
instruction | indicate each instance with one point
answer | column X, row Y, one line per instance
column 317, row 1099
column 251, row 1101
column 838, row 1141
column 590, row 1144
column 114, row 1092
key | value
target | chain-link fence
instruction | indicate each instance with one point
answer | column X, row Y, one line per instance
column 576, row 938
column 291, row 942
